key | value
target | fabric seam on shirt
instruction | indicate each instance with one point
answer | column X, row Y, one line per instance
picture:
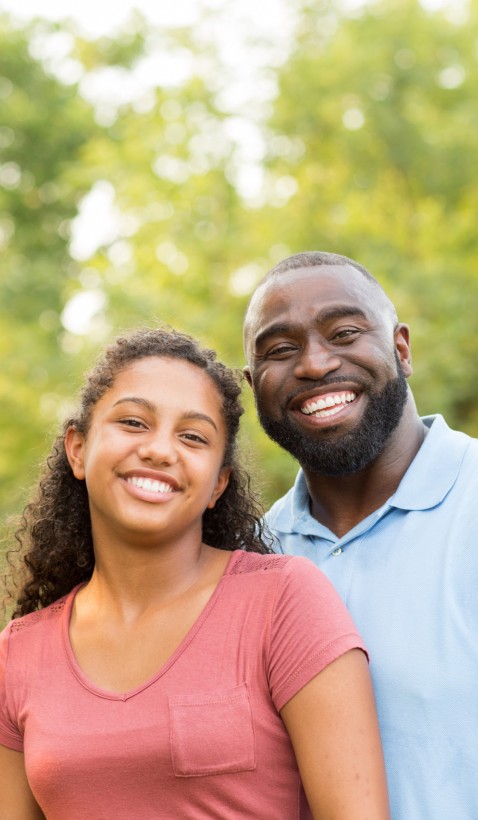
column 317, row 655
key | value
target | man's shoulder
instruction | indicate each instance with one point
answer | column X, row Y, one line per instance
column 289, row 521
column 283, row 511
column 282, row 503
column 441, row 429
column 448, row 441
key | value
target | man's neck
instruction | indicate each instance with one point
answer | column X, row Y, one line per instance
column 341, row 502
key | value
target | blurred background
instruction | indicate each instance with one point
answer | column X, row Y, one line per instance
column 156, row 162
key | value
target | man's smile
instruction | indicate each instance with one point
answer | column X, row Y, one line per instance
column 328, row 404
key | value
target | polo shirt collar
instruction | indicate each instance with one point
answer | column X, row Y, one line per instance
column 429, row 478
column 435, row 468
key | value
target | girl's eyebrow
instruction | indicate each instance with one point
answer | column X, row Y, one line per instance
column 137, row 400
column 193, row 414
column 188, row 414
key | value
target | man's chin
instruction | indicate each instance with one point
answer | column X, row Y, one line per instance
column 330, row 430
column 330, row 453
column 334, row 451
column 289, row 431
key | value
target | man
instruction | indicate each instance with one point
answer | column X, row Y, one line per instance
column 386, row 503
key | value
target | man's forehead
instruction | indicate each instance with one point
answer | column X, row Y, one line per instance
column 313, row 285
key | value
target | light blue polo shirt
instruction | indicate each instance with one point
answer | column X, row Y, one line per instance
column 409, row 576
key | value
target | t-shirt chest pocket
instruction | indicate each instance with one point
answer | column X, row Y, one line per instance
column 212, row 732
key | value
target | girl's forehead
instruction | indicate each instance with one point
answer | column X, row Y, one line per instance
column 154, row 366
column 165, row 380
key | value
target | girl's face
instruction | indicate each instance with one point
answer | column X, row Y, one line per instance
column 152, row 457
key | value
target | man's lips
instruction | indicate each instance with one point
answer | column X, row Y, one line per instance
column 327, row 402
column 322, row 403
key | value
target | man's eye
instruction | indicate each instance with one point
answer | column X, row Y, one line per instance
column 279, row 350
column 346, row 334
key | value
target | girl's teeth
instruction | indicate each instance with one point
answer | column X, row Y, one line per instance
column 150, row 484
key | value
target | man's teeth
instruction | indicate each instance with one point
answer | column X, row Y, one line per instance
column 326, row 404
column 150, row 484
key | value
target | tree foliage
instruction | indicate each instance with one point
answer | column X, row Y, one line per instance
column 383, row 106
column 370, row 150
column 44, row 127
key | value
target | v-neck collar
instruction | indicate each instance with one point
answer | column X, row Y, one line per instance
column 182, row 646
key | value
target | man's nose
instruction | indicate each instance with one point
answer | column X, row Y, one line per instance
column 316, row 361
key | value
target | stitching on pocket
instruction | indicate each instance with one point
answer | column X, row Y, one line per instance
column 212, row 733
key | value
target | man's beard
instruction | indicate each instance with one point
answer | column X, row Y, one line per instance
column 354, row 450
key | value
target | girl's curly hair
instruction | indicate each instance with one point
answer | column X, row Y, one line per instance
column 55, row 536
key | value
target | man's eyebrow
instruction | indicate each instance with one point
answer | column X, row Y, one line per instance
column 340, row 312
column 278, row 329
column 188, row 414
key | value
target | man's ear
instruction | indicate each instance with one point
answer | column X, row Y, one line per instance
column 402, row 346
column 247, row 374
column 221, row 484
column 74, row 448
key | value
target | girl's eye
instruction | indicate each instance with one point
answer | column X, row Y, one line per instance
column 131, row 422
column 194, row 437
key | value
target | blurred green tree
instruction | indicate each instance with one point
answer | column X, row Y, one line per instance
column 369, row 150
column 374, row 133
column 44, row 127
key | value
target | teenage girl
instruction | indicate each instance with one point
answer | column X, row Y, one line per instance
column 160, row 662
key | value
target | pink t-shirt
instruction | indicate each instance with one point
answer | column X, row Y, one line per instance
column 201, row 739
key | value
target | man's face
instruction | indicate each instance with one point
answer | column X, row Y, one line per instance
column 328, row 366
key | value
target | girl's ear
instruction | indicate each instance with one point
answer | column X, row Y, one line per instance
column 221, row 484
column 74, row 448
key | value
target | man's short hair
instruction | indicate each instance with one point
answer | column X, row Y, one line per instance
column 313, row 259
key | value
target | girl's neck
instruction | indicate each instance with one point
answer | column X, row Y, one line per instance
column 133, row 584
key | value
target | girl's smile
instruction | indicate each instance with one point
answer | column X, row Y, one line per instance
column 151, row 485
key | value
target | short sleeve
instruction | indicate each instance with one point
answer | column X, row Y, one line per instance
column 9, row 734
column 310, row 628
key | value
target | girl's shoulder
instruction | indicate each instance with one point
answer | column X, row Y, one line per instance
column 251, row 562
column 37, row 619
column 290, row 566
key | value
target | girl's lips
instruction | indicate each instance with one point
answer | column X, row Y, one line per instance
column 150, row 479
column 150, row 484
column 147, row 489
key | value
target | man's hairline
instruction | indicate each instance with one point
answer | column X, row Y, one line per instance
column 316, row 259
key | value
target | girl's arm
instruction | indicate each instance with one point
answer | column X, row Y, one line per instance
column 333, row 727
column 16, row 799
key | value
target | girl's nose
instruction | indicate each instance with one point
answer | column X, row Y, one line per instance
column 158, row 448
